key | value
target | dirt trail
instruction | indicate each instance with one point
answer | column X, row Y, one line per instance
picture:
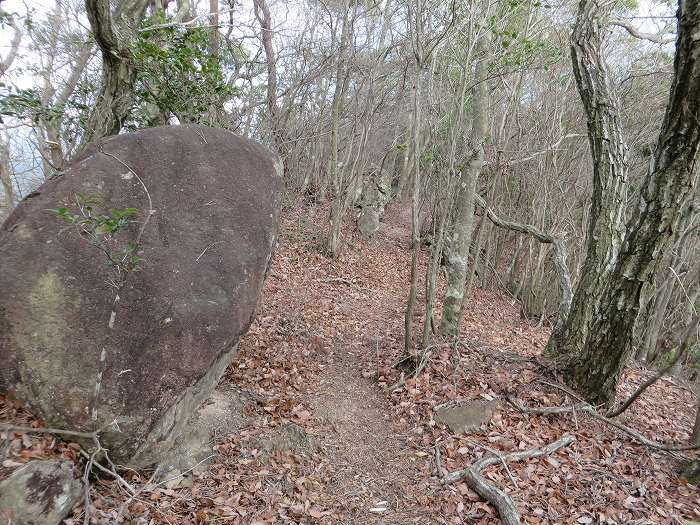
column 326, row 325
column 370, row 460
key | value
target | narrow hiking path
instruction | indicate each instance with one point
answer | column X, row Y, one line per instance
column 309, row 434
column 370, row 460
column 369, row 464
column 327, row 334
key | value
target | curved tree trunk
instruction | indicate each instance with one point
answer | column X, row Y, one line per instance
column 594, row 364
column 608, row 149
column 114, row 31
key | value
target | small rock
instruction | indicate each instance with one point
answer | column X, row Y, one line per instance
column 39, row 493
column 289, row 437
column 466, row 416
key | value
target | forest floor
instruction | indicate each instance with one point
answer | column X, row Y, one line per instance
column 322, row 435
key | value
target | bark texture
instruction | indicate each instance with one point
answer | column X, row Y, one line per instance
column 114, row 30
column 458, row 248
column 602, row 338
column 608, row 151
column 6, row 181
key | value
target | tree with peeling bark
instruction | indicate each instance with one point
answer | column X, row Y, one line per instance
column 608, row 150
column 115, row 29
column 596, row 341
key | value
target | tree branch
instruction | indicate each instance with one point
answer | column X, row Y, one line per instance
column 662, row 37
column 590, row 410
column 498, row 498
column 560, row 253
column 14, row 45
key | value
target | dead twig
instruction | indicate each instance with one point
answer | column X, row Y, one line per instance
column 90, row 457
column 498, row 498
column 438, row 461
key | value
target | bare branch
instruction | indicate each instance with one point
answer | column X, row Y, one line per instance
column 560, row 253
column 590, row 410
column 14, row 45
column 662, row 37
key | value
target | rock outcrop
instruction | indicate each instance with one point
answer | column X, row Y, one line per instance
column 39, row 493
column 375, row 196
column 128, row 279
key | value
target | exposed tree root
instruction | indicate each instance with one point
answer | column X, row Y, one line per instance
column 91, row 458
column 498, row 498
column 591, row 411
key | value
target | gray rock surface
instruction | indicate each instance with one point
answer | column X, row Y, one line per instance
column 42, row 492
column 467, row 415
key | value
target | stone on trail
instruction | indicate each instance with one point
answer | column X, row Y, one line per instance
column 133, row 354
column 466, row 416
column 41, row 492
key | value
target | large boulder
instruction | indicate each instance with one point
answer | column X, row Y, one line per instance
column 94, row 338
column 42, row 492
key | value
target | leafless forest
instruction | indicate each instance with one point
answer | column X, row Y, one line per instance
column 482, row 200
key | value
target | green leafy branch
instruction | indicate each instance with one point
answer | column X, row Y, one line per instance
column 101, row 231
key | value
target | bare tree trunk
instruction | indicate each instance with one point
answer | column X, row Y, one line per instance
column 606, row 226
column 460, row 241
column 476, row 248
column 5, row 167
column 214, row 21
column 415, row 211
column 6, row 62
column 334, row 172
column 594, row 363
column 114, row 31
column 279, row 139
column 6, row 181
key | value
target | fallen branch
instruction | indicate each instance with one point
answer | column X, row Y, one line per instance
column 503, row 502
column 588, row 409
